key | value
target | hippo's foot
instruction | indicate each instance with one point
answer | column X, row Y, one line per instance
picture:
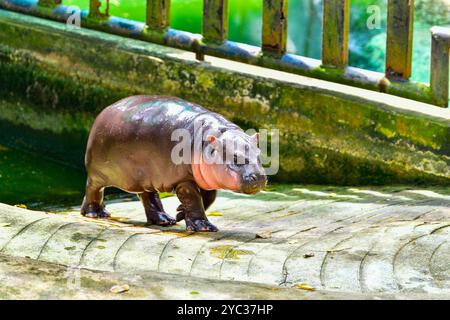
column 95, row 211
column 160, row 218
column 200, row 225
column 180, row 215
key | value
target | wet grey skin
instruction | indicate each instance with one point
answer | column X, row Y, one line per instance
column 130, row 147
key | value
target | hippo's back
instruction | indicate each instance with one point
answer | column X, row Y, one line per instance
column 130, row 142
column 143, row 116
column 154, row 110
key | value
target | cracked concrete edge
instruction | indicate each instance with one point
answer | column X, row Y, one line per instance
column 24, row 278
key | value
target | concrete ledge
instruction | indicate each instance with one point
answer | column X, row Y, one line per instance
column 27, row 279
column 23, row 278
column 357, row 241
column 330, row 133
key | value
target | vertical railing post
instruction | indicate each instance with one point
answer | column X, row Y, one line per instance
column 49, row 3
column 158, row 14
column 274, row 30
column 440, row 69
column 94, row 9
column 399, row 41
column 215, row 20
column 336, row 19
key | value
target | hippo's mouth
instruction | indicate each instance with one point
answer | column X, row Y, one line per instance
column 253, row 186
column 251, row 191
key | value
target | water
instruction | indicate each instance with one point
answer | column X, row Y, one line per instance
column 29, row 179
column 367, row 46
column 39, row 168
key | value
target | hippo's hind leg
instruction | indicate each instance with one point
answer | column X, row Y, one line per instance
column 208, row 197
column 93, row 205
column 193, row 209
column 154, row 210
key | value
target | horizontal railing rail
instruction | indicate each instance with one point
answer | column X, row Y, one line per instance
column 272, row 54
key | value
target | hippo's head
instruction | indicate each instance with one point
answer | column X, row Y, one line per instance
column 231, row 160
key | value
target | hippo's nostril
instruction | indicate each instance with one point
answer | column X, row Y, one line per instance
column 253, row 183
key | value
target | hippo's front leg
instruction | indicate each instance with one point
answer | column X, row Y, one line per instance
column 192, row 203
column 208, row 197
column 154, row 210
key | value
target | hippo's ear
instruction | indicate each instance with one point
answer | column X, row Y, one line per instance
column 255, row 138
column 212, row 140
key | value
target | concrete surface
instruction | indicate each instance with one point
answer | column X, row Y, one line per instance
column 344, row 240
column 24, row 278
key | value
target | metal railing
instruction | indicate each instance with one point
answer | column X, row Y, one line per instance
column 272, row 54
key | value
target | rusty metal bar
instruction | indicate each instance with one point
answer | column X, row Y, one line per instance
column 399, row 41
column 235, row 51
column 274, row 30
column 95, row 9
column 215, row 20
column 49, row 3
column 336, row 19
column 158, row 14
column 440, row 56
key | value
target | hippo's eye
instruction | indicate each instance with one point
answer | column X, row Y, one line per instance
column 236, row 161
column 239, row 162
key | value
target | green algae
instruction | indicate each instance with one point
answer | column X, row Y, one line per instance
column 228, row 252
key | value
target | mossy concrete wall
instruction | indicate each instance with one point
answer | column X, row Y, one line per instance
column 54, row 79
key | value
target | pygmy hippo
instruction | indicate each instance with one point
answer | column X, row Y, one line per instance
column 139, row 145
